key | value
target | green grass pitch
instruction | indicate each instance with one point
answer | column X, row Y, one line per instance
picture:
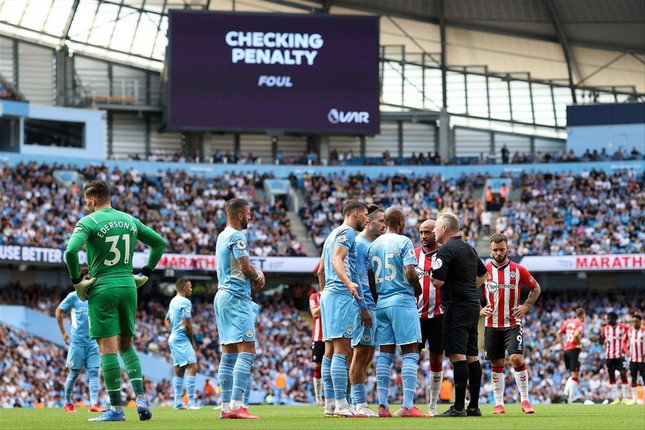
column 310, row 418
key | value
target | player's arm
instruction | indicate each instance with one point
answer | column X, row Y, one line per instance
column 188, row 328
column 561, row 335
column 314, row 308
column 59, row 319
column 166, row 322
column 602, row 336
column 74, row 244
column 413, row 278
column 534, row 293
column 321, row 273
column 340, row 253
column 157, row 246
column 251, row 272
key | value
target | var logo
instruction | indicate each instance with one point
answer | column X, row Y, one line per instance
column 335, row 117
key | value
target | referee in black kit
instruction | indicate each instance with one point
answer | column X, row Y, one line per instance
column 458, row 271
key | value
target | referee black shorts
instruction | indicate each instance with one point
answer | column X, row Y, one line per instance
column 432, row 334
column 460, row 330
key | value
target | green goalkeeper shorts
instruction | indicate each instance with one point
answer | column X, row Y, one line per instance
column 112, row 311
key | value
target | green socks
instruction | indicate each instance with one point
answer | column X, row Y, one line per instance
column 112, row 378
column 133, row 369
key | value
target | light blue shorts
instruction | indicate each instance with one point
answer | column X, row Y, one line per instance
column 339, row 314
column 397, row 325
column 235, row 318
column 80, row 356
column 182, row 351
column 365, row 336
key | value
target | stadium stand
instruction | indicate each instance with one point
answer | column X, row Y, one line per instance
column 39, row 210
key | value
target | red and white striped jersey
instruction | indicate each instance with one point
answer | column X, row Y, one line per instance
column 314, row 302
column 615, row 337
column 572, row 328
column 429, row 302
column 636, row 342
column 503, row 289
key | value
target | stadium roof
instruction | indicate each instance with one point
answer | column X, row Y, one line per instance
column 134, row 31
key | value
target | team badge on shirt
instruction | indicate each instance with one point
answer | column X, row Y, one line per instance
column 350, row 330
column 249, row 333
column 437, row 263
column 366, row 337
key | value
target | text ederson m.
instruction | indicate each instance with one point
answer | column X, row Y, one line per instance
column 339, row 117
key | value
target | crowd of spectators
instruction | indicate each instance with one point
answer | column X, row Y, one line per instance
column 560, row 214
column 38, row 209
column 420, row 197
column 33, row 371
column 348, row 158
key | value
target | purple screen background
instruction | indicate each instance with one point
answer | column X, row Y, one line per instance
column 210, row 92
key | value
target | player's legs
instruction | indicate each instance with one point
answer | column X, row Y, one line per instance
column 407, row 333
column 362, row 358
column 495, row 352
column 328, row 384
column 317, row 354
column 74, row 364
column 242, row 373
column 514, row 344
column 339, row 373
column 178, row 386
column 225, row 374
column 624, row 385
column 104, row 327
column 610, row 363
column 633, row 372
column 92, row 363
column 191, row 375
column 387, row 346
column 437, row 346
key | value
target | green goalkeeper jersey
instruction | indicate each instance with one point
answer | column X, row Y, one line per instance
column 110, row 237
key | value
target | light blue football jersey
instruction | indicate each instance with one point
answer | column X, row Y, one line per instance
column 344, row 236
column 231, row 245
column 179, row 309
column 363, row 267
column 79, row 334
column 389, row 254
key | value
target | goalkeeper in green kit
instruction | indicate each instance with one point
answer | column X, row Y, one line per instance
column 110, row 237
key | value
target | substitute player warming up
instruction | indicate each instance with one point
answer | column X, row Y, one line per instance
column 504, row 315
column 110, row 237
column 234, row 311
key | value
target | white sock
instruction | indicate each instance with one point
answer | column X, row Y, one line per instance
column 498, row 388
column 613, row 389
column 318, row 388
column 567, row 387
column 522, row 381
column 435, row 388
column 634, row 393
column 330, row 404
column 341, row 404
column 574, row 391
column 625, row 389
column 225, row 407
column 236, row 404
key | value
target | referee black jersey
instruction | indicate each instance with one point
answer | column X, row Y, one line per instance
column 458, row 265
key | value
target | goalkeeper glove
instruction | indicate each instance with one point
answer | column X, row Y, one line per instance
column 142, row 277
column 81, row 286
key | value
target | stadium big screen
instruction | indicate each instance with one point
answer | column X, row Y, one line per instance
column 258, row 72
